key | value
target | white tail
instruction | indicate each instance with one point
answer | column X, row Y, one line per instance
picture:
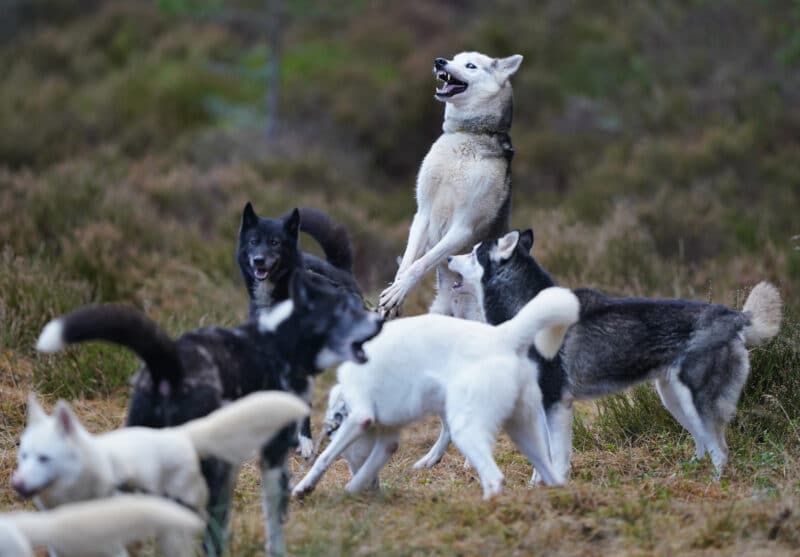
column 764, row 307
column 543, row 321
column 235, row 432
column 91, row 526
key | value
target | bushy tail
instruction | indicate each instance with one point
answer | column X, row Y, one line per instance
column 235, row 432
column 82, row 528
column 543, row 321
column 332, row 237
column 119, row 325
column 764, row 307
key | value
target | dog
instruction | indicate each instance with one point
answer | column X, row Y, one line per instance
column 476, row 377
column 268, row 253
column 190, row 377
column 694, row 352
column 463, row 187
column 60, row 462
column 101, row 528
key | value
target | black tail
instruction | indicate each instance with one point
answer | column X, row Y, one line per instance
column 333, row 237
column 119, row 325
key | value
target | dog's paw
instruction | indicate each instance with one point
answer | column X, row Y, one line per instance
column 301, row 490
column 306, row 448
column 536, row 479
column 392, row 297
column 425, row 462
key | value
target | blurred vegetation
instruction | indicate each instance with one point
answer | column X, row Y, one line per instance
column 657, row 154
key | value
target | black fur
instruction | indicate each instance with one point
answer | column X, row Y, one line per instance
column 617, row 342
column 268, row 253
column 216, row 364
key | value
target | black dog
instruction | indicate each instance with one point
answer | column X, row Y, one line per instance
column 189, row 377
column 268, row 253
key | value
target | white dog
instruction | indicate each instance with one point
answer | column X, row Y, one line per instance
column 101, row 528
column 60, row 462
column 476, row 377
column 464, row 184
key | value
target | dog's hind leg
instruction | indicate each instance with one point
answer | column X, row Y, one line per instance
column 353, row 426
column 477, row 446
column 436, row 452
column 677, row 398
column 559, row 427
column 386, row 444
column 528, row 430
column 220, row 477
column 275, row 489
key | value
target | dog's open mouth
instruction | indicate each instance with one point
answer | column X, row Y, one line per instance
column 458, row 284
column 451, row 86
column 357, row 346
column 262, row 273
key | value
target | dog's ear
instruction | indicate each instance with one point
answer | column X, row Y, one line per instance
column 291, row 224
column 66, row 421
column 298, row 290
column 508, row 66
column 506, row 245
column 249, row 217
column 35, row 411
column 526, row 240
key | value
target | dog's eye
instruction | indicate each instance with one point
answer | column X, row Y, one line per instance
column 253, row 242
column 471, row 66
column 44, row 459
column 275, row 242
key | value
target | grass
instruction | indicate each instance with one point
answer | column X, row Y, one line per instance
column 649, row 161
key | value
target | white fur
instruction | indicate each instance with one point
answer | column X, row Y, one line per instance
column 478, row 378
column 100, row 528
column 327, row 358
column 270, row 320
column 52, row 337
column 765, row 308
column 79, row 465
column 461, row 185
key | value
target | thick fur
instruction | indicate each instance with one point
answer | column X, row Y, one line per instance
column 101, row 528
column 281, row 349
column 463, row 187
column 268, row 254
column 695, row 352
column 478, row 378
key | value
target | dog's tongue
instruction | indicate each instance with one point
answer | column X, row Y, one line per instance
column 261, row 274
column 448, row 88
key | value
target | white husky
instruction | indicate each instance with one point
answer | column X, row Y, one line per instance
column 60, row 462
column 464, row 184
column 476, row 377
column 101, row 528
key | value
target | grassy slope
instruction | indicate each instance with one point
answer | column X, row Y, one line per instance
column 650, row 160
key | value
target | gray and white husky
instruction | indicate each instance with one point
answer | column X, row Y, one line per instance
column 464, row 184
column 694, row 352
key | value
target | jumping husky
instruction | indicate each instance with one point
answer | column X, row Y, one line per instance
column 101, row 528
column 476, row 377
column 695, row 352
column 268, row 253
column 194, row 375
column 60, row 462
column 464, row 184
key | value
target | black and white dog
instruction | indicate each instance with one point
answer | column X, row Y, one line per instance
column 695, row 352
column 194, row 375
column 268, row 253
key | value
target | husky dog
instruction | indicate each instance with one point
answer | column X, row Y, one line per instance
column 694, row 352
column 194, row 375
column 464, row 184
column 101, row 528
column 476, row 377
column 60, row 462
column 268, row 254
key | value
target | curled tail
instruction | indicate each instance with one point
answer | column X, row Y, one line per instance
column 332, row 237
column 118, row 325
column 235, row 432
column 764, row 307
column 543, row 321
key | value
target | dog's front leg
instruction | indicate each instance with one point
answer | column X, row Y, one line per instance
column 455, row 238
column 417, row 235
column 275, row 490
column 352, row 427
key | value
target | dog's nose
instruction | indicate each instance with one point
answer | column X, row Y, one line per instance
column 259, row 260
column 449, row 258
column 18, row 484
column 440, row 63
